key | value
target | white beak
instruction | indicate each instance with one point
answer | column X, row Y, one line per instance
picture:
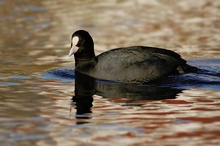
column 73, row 50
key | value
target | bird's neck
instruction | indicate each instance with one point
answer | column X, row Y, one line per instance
column 85, row 59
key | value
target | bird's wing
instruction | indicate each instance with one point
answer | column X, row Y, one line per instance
column 135, row 64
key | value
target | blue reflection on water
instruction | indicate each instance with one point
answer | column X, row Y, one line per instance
column 18, row 77
column 8, row 83
column 64, row 75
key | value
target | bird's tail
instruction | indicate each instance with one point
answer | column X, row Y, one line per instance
column 186, row 69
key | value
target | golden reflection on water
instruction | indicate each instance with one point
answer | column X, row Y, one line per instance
column 190, row 28
column 35, row 37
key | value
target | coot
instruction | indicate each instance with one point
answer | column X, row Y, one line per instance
column 136, row 64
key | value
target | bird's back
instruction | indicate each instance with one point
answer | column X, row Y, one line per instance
column 136, row 64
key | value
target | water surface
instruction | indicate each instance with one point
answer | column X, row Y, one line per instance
column 38, row 87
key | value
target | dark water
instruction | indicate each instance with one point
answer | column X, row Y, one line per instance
column 43, row 102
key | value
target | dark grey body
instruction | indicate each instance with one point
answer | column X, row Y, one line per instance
column 133, row 64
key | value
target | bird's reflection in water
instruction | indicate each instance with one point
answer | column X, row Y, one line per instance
column 86, row 87
column 84, row 90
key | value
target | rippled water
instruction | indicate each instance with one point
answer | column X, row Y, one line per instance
column 43, row 102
